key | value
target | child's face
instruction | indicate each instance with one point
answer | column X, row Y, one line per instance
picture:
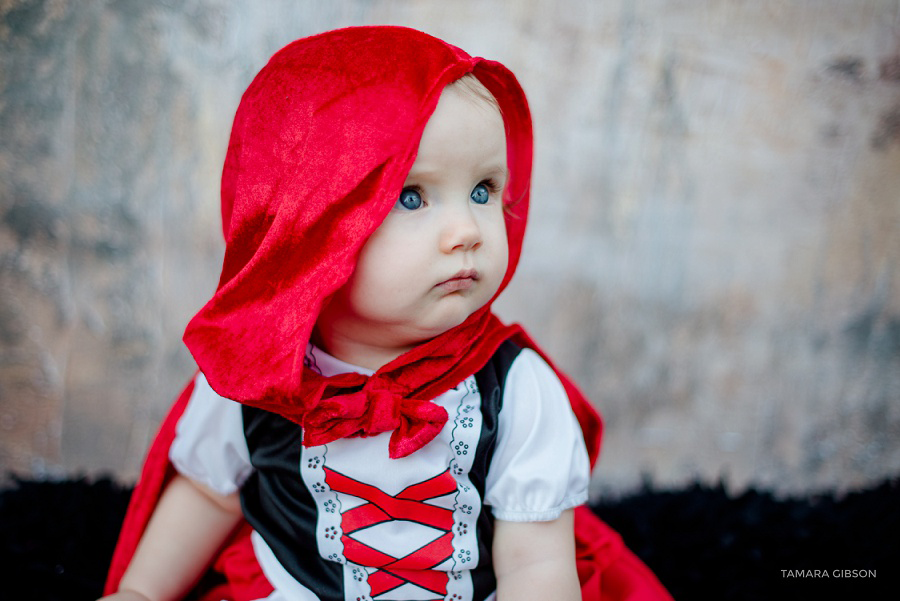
column 441, row 253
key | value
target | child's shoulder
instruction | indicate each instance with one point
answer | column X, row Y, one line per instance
column 518, row 371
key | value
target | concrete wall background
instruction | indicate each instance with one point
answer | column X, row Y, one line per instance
column 713, row 254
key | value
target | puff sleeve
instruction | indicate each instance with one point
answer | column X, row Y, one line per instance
column 209, row 445
column 540, row 466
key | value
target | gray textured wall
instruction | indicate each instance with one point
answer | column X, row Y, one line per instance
column 714, row 249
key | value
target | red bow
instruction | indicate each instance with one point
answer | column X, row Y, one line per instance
column 370, row 409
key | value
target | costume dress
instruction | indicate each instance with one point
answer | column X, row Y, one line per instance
column 344, row 521
column 320, row 147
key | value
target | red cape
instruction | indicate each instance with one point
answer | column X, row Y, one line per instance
column 320, row 147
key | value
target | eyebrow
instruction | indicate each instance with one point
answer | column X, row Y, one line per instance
column 499, row 171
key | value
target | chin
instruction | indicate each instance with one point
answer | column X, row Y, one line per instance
column 452, row 319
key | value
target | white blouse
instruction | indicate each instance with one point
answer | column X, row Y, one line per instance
column 540, row 466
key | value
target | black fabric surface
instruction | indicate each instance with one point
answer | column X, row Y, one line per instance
column 56, row 539
column 704, row 544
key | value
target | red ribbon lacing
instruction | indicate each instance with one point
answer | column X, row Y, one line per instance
column 411, row 504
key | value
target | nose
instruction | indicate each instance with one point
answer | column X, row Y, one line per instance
column 460, row 231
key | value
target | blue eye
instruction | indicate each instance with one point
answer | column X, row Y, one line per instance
column 409, row 199
column 480, row 194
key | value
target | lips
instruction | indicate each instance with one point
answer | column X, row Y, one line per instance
column 462, row 280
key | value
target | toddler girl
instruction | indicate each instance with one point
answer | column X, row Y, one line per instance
column 391, row 438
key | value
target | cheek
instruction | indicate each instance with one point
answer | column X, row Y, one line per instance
column 500, row 244
column 369, row 274
column 382, row 266
column 498, row 253
column 504, row 261
column 502, row 264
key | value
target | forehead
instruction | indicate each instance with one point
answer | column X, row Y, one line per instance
column 465, row 131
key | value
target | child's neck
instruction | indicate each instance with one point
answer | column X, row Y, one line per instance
column 354, row 352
